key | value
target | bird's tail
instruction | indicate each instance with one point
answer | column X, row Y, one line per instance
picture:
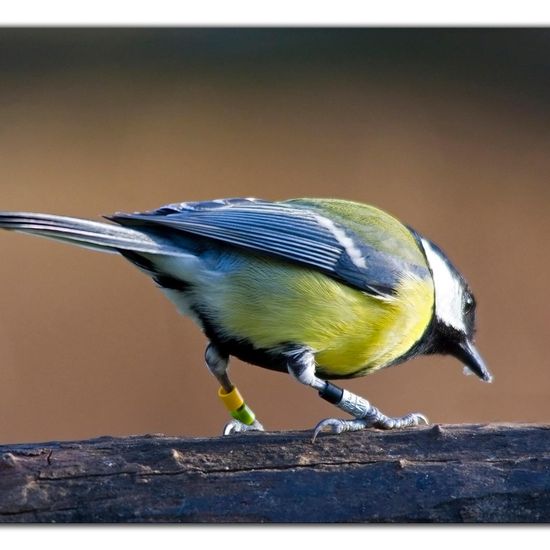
column 89, row 234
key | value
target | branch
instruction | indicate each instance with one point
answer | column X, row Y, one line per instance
column 450, row 473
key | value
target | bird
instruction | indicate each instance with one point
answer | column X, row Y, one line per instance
column 318, row 288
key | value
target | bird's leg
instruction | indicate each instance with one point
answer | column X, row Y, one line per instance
column 302, row 366
column 243, row 417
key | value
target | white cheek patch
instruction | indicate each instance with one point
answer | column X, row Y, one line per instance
column 448, row 289
column 347, row 242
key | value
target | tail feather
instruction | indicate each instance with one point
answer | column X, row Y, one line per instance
column 86, row 233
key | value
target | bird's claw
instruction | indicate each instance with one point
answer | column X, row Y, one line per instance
column 235, row 426
column 337, row 426
column 407, row 421
column 420, row 419
column 334, row 425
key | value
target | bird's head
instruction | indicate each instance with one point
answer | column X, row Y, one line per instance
column 454, row 313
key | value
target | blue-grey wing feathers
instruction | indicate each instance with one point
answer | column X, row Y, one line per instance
column 292, row 233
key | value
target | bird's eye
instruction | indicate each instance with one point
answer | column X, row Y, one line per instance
column 469, row 303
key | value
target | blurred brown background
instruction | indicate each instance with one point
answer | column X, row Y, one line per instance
column 446, row 129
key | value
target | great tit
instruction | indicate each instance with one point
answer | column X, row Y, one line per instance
column 319, row 288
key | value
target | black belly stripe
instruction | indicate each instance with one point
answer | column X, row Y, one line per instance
column 273, row 359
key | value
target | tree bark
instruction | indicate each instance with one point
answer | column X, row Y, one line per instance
column 441, row 473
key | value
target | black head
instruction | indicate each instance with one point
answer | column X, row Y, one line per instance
column 454, row 313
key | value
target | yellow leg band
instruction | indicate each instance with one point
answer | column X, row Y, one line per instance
column 232, row 400
column 236, row 406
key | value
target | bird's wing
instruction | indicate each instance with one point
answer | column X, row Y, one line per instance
column 292, row 232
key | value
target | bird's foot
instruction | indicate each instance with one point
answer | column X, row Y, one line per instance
column 236, row 426
column 375, row 419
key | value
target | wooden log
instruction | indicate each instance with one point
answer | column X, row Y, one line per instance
column 441, row 473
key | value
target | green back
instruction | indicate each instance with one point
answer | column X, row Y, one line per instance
column 374, row 226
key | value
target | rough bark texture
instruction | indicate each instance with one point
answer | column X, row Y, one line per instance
column 490, row 473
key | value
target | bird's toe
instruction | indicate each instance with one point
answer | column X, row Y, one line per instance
column 235, row 426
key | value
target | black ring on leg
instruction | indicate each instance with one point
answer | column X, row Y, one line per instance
column 331, row 393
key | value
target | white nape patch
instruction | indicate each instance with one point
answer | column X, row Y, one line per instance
column 448, row 288
column 347, row 242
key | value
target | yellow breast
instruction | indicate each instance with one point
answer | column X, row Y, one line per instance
column 269, row 303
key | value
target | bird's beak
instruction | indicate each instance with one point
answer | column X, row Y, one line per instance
column 467, row 353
